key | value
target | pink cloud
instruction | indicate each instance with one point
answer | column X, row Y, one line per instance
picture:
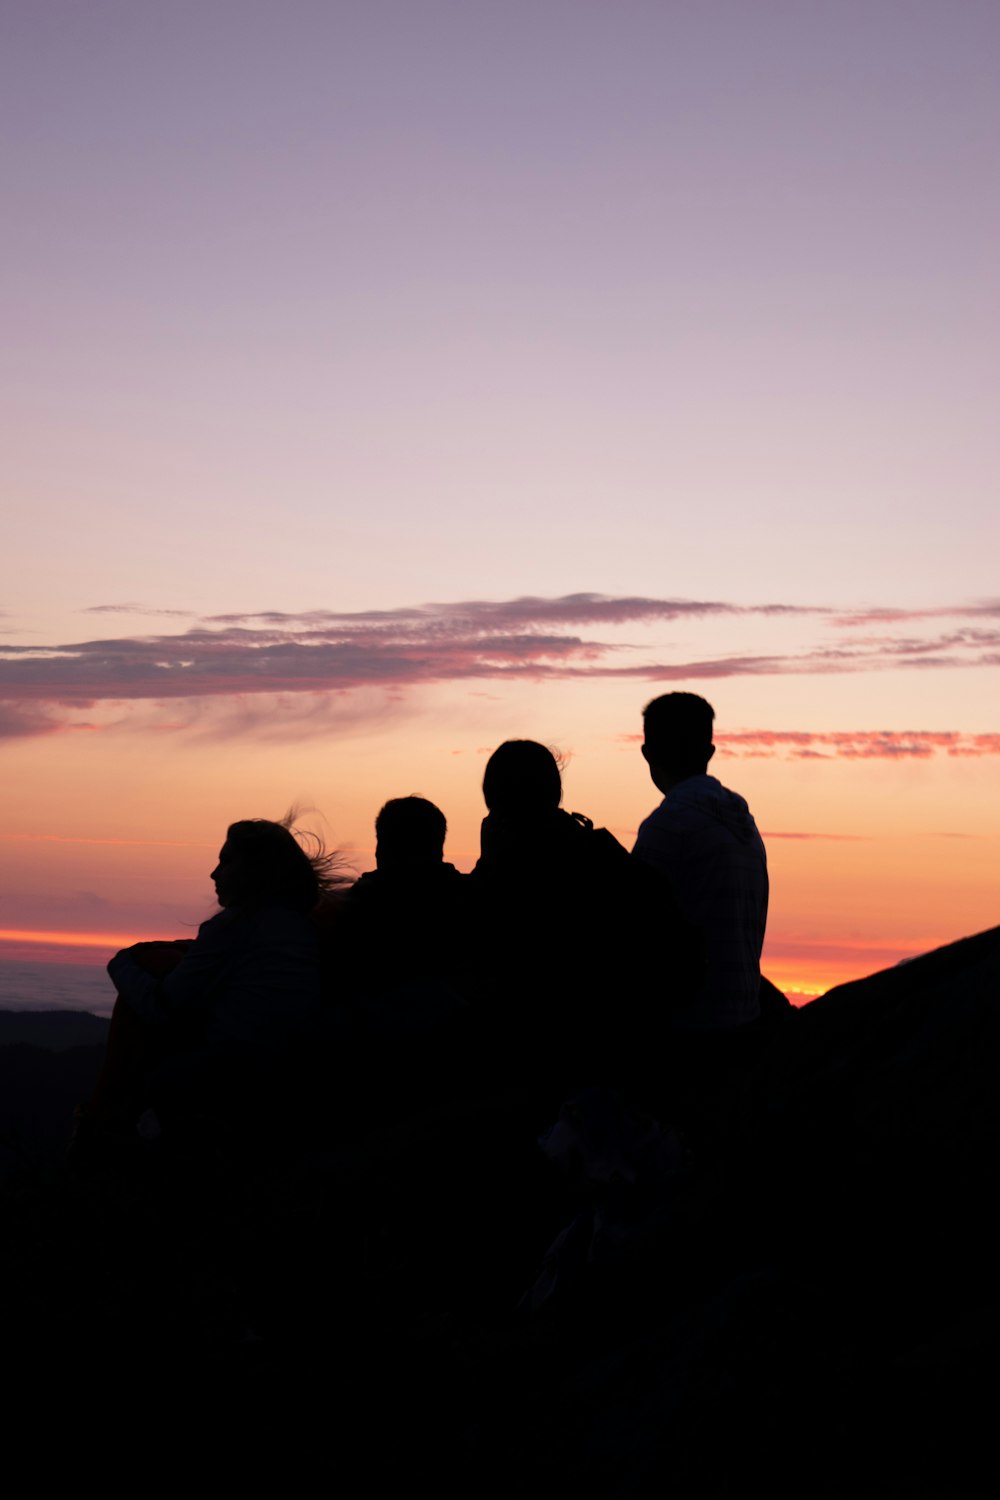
column 27, row 720
column 233, row 659
column 134, row 609
column 866, row 744
column 514, row 614
column 984, row 609
column 976, row 744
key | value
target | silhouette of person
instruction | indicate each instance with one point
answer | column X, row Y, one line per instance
column 232, row 1003
column 400, row 959
column 410, row 834
column 703, row 839
column 535, row 858
column 527, row 833
column 402, row 925
column 564, row 911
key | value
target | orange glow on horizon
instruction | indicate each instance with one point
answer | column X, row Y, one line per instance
column 107, row 940
column 802, row 985
column 800, row 977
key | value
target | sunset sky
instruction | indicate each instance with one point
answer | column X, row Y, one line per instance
column 383, row 380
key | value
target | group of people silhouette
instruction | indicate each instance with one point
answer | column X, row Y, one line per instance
column 562, row 963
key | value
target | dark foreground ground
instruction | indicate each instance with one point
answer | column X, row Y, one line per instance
column 811, row 1309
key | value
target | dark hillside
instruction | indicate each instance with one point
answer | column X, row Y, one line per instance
column 808, row 1308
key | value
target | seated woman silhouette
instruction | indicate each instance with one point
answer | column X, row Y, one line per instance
column 194, row 1020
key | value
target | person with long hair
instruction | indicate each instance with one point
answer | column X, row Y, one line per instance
column 192, row 1016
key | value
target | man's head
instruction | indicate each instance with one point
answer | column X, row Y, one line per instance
column 409, row 830
column 677, row 740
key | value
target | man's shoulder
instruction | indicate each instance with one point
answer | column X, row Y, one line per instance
column 700, row 818
column 704, row 799
column 685, row 806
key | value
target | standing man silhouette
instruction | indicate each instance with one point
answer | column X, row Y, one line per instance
column 704, row 840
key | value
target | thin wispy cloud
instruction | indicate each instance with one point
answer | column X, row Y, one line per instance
column 983, row 609
column 135, row 609
column 29, row 719
column 842, row 838
column 881, row 744
column 238, row 661
column 517, row 614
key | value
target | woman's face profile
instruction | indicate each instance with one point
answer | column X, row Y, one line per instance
column 227, row 876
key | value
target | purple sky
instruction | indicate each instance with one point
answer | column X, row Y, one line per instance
column 335, row 332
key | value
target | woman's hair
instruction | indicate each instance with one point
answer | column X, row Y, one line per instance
column 275, row 869
column 522, row 777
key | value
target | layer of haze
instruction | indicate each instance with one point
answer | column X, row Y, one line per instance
column 345, row 343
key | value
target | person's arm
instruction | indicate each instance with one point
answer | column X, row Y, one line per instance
column 161, row 999
column 160, row 955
